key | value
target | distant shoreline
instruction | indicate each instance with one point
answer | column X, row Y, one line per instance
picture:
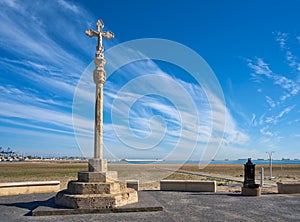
column 214, row 162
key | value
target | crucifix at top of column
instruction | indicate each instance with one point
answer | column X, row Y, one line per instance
column 100, row 34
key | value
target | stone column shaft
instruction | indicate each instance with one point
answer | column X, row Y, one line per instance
column 98, row 138
column 98, row 164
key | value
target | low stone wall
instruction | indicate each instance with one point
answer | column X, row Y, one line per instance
column 15, row 188
column 188, row 185
column 134, row 184
column 288, row 188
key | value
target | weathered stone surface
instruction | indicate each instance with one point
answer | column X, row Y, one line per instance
column 97, row 188
column 288, row 188
column 85, row 176
column 188, row 185
column 97, row 165
column 99, row 78
column 96, row 201
column 15, row 188
column 251, row 191
column 134, row 184
column 77, row 187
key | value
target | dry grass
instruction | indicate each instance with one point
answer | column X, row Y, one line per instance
column 222, row 169
column 237, row 170
column 40, row 171
column 147, row 174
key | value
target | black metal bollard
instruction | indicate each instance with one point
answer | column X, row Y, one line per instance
column 249, row 175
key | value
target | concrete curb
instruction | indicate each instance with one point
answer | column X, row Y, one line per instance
column 93, row 211
column 15, row 188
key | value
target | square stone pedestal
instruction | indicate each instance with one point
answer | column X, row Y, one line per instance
column 96, row 190
column 97, row 165
column 86, row 176
column 251, row 191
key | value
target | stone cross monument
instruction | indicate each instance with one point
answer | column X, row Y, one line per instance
column 98, row 164
column 97, row 188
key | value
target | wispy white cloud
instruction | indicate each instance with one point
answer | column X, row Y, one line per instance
column 45, row 142
column 158, row 113
column 68, row 6
column 298, row 38
column 275, row 119
column 281, row 38
column 270, row 102
column 260, row 68
column 20, row 39
column 292, row 60
column 234, row 135
column 40, row 65
column 33, row 113
column 280, row 91
column 10, row 3
column 265, row 131
column 253, row 120
column 32, row 127
column 262, row 71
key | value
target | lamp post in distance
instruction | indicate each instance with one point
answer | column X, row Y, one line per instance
column 270, row 162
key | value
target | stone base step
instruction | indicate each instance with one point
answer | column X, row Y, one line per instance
column 77, row 187
column 96, row 201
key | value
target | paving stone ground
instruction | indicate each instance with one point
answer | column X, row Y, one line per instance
column 178, row 206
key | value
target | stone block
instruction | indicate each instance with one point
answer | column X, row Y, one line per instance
column 251, row 191
column 96, row 190
column 288, row 187
column 97, row 165
column 134, row 184
column 76, row 187
column 29, row 187
column 188, row 185
column 86, row 176
column 96, row 201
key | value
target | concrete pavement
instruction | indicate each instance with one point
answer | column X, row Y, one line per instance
column 178, row 206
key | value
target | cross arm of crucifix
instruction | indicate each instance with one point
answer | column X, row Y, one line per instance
column 109, row 35
column 92, row 33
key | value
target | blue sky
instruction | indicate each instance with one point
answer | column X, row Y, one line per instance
column 251, row 46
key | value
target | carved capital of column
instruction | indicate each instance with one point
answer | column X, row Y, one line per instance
column 99, row 62
column 99, row 72
column 99, row 75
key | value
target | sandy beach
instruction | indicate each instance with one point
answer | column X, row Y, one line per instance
column 149, row 175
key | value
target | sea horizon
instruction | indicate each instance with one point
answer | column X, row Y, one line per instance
column 225, row 161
